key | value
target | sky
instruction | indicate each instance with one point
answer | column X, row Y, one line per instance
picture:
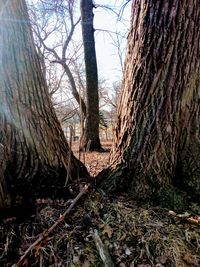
column 107, row 22
column 107, row 57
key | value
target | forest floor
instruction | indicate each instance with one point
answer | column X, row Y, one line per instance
column 102, row 230
column 94, row 161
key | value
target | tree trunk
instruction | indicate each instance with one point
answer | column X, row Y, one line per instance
column 91, row 136
column 156, row 149
column 33, row 149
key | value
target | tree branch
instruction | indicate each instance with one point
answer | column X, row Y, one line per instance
column 46, row 232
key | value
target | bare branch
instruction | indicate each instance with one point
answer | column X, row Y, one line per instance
column 69, row 37
column 58, row 85
column 48, row 231
column 122, row 9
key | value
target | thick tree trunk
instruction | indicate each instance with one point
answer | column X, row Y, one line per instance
column 33, row 149
column 91, row 136
column 157, row 137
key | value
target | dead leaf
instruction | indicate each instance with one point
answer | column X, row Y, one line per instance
column 108, row 230
column 192, row 260
column 171, row 212
column 184, row 215
column 161, row 259
column 37, row 249
column 25, row 262
column 194, row 220
column 86, row 263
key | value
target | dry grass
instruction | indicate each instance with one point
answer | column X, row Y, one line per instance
column 134, row 236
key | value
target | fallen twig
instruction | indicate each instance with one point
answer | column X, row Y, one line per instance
column 70, row 156
column 102, row 249
column 46, row 232
column 185, row 217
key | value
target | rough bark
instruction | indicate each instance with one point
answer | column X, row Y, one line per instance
column 156, row 147
column 91, row 139
column 33, row 149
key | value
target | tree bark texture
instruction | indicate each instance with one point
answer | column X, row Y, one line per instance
column 33, row 149
column 91, row 136
column 157, row 136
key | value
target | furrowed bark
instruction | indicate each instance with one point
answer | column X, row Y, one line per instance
column 91, row 135
column 157, row 137
column 32, row 143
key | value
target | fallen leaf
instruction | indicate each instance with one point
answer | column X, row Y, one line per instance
column 86, row 263
column 171, row 212
column 194, row 220
column 161, row 259
column 192, row 260
column 184, row 215
column 75, row 259
column 108, row 230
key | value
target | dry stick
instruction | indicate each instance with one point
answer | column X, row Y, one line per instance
column 49, row 230
column 82, row 133
column 102, row 249
column 70, row 156
column 88, row 145
column 68, row 167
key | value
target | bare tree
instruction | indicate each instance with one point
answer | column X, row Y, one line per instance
column 91, row 134
column 56, row 20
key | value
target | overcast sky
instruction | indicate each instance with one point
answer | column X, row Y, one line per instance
column 105, row 19
column 108, row 60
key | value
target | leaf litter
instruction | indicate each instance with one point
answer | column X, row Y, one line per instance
column 129, row 235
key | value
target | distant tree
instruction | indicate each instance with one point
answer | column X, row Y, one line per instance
column 156, row 148
column 91, row 135
column 33, row 150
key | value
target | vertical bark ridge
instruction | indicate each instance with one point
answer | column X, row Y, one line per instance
column 159, row 104
column 32, row 138
column 91, row 136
